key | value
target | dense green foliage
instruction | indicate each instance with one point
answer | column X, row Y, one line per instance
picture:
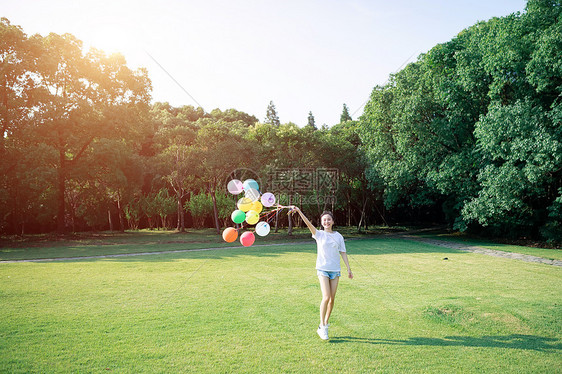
column 82, row 147
column 469, row 134
column 474, row 126
column 70, row 124
column 345, row 116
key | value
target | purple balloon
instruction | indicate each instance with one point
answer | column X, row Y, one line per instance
column 268, row 199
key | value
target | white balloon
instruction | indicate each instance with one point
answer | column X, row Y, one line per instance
column 252, row 193
column 262, row 228
column 235, row 186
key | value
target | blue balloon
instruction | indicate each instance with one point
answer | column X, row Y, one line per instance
column 250, row 183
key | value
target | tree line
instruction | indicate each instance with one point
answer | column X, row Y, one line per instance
column 468, row 135
column 83, row 148
column 474, row 127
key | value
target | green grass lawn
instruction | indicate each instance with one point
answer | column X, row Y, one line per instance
column 256, row 310
column 109, row 243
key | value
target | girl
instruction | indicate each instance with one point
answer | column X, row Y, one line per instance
column 330, row 245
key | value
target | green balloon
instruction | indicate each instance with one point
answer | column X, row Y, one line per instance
column 238, row 216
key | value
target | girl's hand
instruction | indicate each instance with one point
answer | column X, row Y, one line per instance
column 350, row 274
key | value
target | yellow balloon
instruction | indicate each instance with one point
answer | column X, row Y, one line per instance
column 257, row 206
column 252, row 217
column 245, row 204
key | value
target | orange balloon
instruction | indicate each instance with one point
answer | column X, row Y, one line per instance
column 229, row 234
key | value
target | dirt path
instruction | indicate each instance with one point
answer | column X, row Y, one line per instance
column 481, row 250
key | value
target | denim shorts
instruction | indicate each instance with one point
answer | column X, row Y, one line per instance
column 329, row 274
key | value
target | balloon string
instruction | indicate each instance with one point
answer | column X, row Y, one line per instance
column 265, row 216
column 271, row 218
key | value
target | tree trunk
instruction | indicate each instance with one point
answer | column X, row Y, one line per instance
column 110, row 220
column 15, row 215
column 290, row 229
column 348, row 210
column 61, row 229
column 363, row 218
column 215, row 210
column 382, row 216
column 73, row 219
column 181, row 215
column 299, row 219
column 121, row 219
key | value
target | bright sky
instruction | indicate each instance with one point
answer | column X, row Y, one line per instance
column 304, row 55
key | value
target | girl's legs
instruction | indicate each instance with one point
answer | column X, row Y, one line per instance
column 329, row 288
column 333, row 289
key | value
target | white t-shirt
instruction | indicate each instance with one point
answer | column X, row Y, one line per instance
column 329, row 246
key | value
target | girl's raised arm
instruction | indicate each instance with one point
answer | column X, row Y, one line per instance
column 306, row 221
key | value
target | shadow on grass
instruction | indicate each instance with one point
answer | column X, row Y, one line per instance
column 159, row 253
column 514, row 341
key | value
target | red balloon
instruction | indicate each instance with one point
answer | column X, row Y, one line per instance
column 247, row 238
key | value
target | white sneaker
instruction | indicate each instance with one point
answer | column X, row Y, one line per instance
column 323, row 332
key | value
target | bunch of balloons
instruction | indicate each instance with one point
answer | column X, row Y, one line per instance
column 248, row 211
